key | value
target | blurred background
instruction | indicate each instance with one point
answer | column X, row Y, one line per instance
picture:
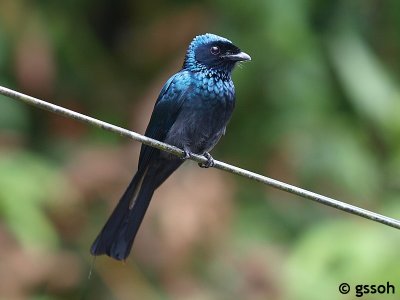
column 318, row 107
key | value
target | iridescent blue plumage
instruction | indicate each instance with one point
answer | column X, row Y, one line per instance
column 191, row 112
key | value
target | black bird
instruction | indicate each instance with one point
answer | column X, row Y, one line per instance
column 191, row 112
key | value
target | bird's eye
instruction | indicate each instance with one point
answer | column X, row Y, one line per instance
column 215, row 50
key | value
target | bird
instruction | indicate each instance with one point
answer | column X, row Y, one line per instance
column 191, row 112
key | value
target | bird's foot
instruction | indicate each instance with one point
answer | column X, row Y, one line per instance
column 186, row 154
column 210, row 161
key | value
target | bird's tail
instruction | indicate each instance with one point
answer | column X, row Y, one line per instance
column 105, row 240
column 117, row 236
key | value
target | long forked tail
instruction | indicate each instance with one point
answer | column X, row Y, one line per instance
column 124, row 237
column 106, row 237
column 117, row 236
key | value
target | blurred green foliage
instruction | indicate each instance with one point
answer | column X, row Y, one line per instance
column 317, row 107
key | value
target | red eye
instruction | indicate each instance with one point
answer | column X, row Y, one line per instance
column 215, row 50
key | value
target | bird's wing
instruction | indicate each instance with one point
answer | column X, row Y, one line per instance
column 165, row 112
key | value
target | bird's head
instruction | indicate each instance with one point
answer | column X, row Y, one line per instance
column 212, row 52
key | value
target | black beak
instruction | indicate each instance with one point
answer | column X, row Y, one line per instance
column 241, row 56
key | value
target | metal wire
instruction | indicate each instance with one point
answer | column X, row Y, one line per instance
column 352, row 209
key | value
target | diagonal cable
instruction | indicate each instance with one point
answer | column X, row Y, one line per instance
column 352, row 209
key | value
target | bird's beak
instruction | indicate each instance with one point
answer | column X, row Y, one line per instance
column 241, row 56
